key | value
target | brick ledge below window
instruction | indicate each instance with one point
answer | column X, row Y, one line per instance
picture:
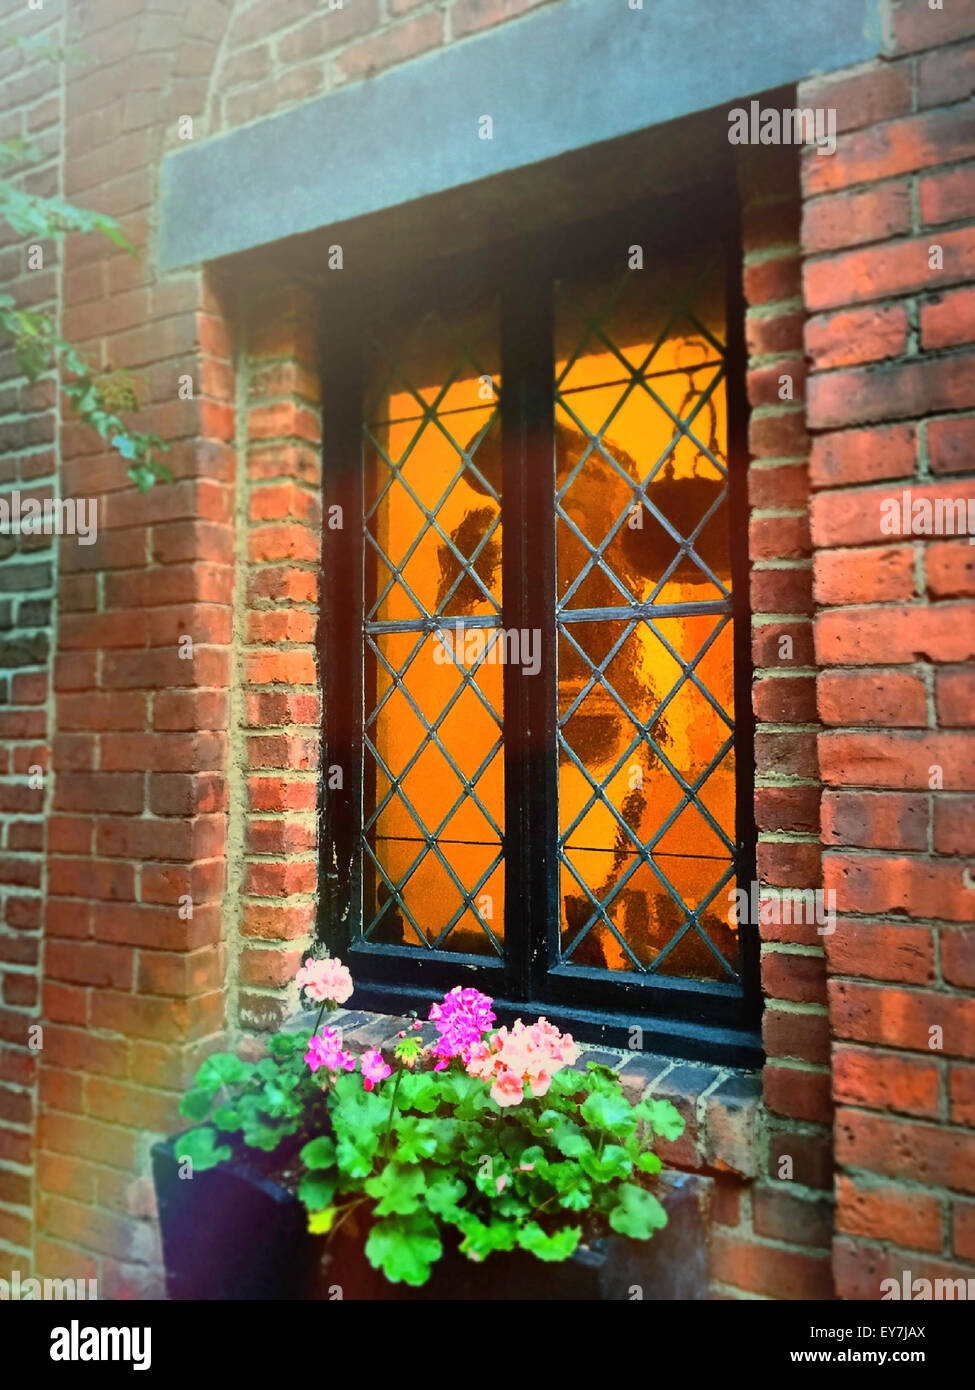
column 721, row 1106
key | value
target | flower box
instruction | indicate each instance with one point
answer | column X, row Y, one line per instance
column 233, row 1232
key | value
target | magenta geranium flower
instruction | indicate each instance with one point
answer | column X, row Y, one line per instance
column 325, row 1050
column 462, row 1019
column 373, row 1068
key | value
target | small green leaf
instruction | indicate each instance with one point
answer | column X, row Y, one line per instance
column 649, row 1163
column 444, row 1193
column 418, row 1091
column 124, row 443
column 320, row 1222
column 558, row 1246
column 195, row 1105
column 227, row 1118
column 221, row 1069
column 201, row 1148
column 613, row 1114
column 354, row 1161
column 662, row 1118
column 415, row 1137
column 612, row 1162
column 404, row 1247
column 316, row 1190
column 481, row 1238
column 638, row 1214
column 319, row 1153
column 577, row 1198
column 570, row 1140
column 398, row 1189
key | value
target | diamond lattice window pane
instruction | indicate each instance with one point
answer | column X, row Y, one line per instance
column 433, row 774
column 433, row 477
column 640, row 438
column 646, row 709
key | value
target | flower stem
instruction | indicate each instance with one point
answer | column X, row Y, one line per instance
column 346, row 1212
column 326, row 1004
column 392, row 1107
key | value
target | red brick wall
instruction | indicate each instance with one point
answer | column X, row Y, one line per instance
column 29, row 435
column 892, row 375
column 778, row 1229
column 195, row 779
column 278, row 711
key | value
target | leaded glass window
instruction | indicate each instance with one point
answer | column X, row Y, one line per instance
column 539, row 640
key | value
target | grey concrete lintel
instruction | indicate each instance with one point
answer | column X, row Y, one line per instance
column 559, row 79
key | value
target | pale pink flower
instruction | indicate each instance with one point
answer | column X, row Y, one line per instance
column 539, row 1082
column 508, row 1089
column 532, row 1053
column 325, row 980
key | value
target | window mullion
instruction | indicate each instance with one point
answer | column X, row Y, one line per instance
column 528, row 560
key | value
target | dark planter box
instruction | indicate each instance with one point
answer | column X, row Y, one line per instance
column 233, row 1233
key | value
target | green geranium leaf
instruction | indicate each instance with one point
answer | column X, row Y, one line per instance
column 355, row 1162
column 320, row 1222
column 662, row 1118
column 227, row 1118
column 510, row 1204
column 566, row 1083
column 649, row 1163
column 603, row 1078
column 316, row 1190
column 416, row 1138
column 613, row 1162
column 638, row 1214
column 264, row 1136
column 404, row 1247
column 560, row 1175
column 319, row 1153
column 287, row 1044
column 444, row 1193
column 487, row 1175
column 195, row 1105
column 481, row 1238
column 223, row 1069
column 418, row 1091
column 201, row 1148
column 450, row 1138
column 577, row 1198
column 457, row 1087
column 398, row 1189
column 569, row 1139
column 613, row 1114
column 558, row 1246
column 355, row 1109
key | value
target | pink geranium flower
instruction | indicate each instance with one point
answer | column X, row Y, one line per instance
column 373, row 1068
column 508, row 1088
column 325, row 1050
column 528, row 1055
column 325, row 980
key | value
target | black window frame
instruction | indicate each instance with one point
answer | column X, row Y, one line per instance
column 711, row 1021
